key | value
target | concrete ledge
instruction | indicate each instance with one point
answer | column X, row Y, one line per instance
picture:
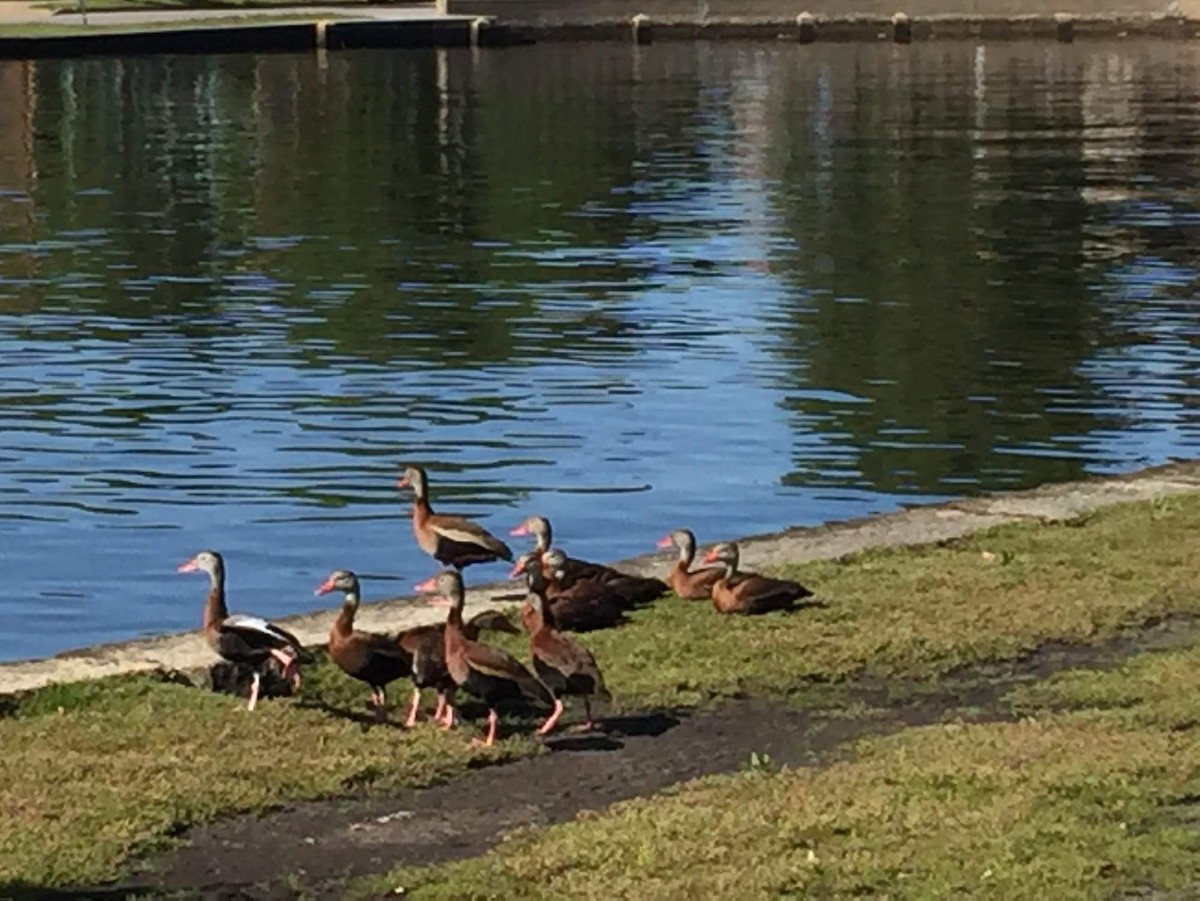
column 918, row 525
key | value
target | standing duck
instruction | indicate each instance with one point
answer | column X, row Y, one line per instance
column 484, row 671
column 585, row 606
column 749, row 593
column 690, row 585
column 238, row 638
column 633, row 590
column 427, row 645
column 367, row 656
column 564, row 665
column 451, row 540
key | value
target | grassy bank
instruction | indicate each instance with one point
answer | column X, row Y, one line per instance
column 90, row 773
column 56, row 30
column 1093, row 804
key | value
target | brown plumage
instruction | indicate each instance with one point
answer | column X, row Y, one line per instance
column 689, row 584
column 367, row 656
column 583, row 607
column 749, row 593
column 242, row 639
column 484, row 671
column 630, row 590
column 427, row 645
column 562, row 664
column 451, row 540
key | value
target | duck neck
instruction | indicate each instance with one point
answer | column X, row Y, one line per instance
column 344, row 624
column 544, row 535
column 215, row 611
column 687, row 553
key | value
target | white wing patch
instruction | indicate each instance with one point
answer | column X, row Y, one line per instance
column 253, row 624
column 461, row 535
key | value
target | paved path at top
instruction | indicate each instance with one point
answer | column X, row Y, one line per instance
column 19, row 12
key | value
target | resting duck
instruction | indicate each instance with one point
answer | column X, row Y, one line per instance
column 238, row 638
column 451, row 540
column 484, row 671
column 749, row 593
column 583, row 607
column 690, row 585
column 427, row 645
column 367, row 656
column 564, row 666
column 633, row 590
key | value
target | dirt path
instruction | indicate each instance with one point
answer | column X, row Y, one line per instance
column 318, row 844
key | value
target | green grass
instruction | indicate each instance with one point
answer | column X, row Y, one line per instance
column 155, row 5
column 54, row 30
column 128, row 762
column 1079, row 805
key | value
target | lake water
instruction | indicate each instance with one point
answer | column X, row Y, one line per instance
column 731, row 286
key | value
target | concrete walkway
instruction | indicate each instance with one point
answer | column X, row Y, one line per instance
column 19, row 12
column 919, row 525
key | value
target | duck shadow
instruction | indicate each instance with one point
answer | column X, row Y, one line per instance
column 583, row 741
column 642, row 725
column 366, row 720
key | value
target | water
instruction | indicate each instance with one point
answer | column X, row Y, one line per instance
column 731, row 286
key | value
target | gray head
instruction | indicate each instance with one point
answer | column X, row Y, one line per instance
column 724, row 553
column 446, row 585
column 684, row 540
column 539, row 528
column 208, row 562
column 414, row 477
column 341, row 580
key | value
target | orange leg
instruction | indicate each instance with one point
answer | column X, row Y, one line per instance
column 253, row 691
column 552, row 719
column 439, row 712
column 493, row 720
column 413, row 708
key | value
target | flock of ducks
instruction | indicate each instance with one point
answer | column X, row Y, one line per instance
column 564, row 595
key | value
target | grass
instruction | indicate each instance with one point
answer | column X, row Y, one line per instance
column 54, row 30
column 92, row 773
column 1091, row 804
column 159, row 5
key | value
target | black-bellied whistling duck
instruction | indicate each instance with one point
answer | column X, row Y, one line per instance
column 451, row 540
column 583, row 607
column 632, row 590
column 749, row 593
column 484, row 671
column 238, row 638
column 691, row 585
column 367, row 656
column 427, row 645
column 564, row 665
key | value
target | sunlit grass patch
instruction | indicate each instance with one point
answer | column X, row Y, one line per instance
column 90, row 773
column 1067, row 807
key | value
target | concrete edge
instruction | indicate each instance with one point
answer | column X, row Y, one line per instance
column 500, row 23
column 187, row 652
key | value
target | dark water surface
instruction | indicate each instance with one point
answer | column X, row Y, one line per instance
column 734, row 286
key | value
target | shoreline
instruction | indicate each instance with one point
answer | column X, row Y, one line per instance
column 502, row 23
column 187, row 653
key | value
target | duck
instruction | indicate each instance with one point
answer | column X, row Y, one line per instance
column 583, row 607
column 749, row 593
column 633, row 590
column 486, row 672
column 239, row 638
column 426, row 645
column 562, row 664
column 451, row 540
column 691, row 585
column 370, row 657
